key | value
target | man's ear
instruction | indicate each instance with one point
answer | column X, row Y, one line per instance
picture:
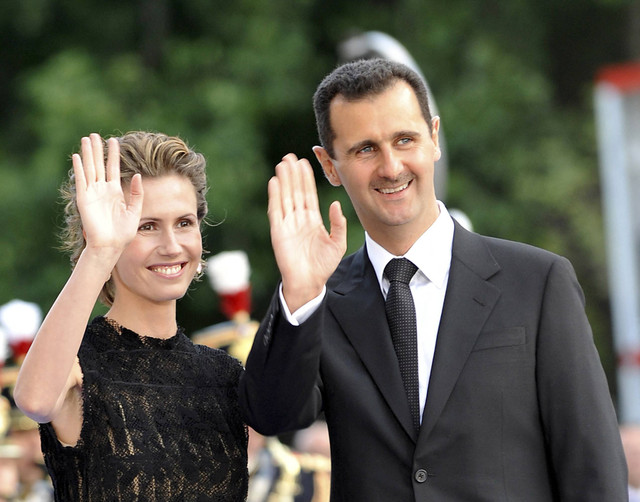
column 435, row 129
column 328, row 165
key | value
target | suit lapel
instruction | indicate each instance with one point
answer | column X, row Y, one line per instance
column 359, row 293
column 469, row 300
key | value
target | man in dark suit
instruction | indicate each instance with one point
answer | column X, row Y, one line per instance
column 513, row 403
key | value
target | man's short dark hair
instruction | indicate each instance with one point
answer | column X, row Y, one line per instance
column 357, row 80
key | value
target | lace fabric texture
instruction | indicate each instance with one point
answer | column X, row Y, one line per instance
column 161, row 423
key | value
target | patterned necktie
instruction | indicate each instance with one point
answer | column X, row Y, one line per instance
column 401, row 315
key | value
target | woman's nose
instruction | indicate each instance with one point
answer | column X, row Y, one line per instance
column 170, row 244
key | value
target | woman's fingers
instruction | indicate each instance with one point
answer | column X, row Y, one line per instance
column 92, row 156
column 113, row 160
column 86, row 150
column 98, row 156
column 136, row 195
column 89, row 166
column 78, row 172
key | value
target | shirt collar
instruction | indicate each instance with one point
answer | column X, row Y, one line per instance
column 431, row 253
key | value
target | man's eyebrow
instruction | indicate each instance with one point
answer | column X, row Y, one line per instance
column 413, row 134
column 359, row 145
column 398, row 134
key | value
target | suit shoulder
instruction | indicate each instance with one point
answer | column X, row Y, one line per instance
column 487, row 255
column 508, row 249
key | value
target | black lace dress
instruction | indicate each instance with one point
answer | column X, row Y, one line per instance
column 161, row 423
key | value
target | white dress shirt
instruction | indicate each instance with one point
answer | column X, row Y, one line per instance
column 431, row 253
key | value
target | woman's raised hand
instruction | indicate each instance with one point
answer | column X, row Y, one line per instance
column 109, row 218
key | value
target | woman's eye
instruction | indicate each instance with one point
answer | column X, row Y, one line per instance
column 145, row 228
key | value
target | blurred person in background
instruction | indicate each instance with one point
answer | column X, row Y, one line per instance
column 34, row 482
column 630, row 434
column 20, row 321
column 9, row 476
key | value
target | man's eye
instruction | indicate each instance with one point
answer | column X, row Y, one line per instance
column 366, row 149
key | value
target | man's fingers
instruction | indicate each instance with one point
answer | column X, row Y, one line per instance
column 292, row 193
column 274, row 207
column 286, row 182
column 296, row 171
column 297, row 184
column 309, row 186
column 338, row 225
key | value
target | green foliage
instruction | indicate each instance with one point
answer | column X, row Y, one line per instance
column 236, row 79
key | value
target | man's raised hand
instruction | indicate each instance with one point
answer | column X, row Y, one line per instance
column 305, row 252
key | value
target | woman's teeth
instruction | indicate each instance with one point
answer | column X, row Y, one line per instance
column 167, row 270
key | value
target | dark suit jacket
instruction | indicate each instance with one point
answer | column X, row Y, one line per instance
column 518, row 407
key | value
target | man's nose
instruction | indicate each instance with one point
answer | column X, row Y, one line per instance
column 390, row 163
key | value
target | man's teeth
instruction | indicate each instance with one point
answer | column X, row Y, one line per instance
column 167, row 270
column 395, row 189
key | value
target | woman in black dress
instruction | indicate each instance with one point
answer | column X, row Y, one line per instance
column 130, row 409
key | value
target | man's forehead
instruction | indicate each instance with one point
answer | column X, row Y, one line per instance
column 394, row 105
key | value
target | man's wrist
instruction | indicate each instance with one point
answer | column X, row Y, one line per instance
column 303, row 312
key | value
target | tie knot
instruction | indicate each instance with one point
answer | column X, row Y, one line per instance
column 400, row 269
